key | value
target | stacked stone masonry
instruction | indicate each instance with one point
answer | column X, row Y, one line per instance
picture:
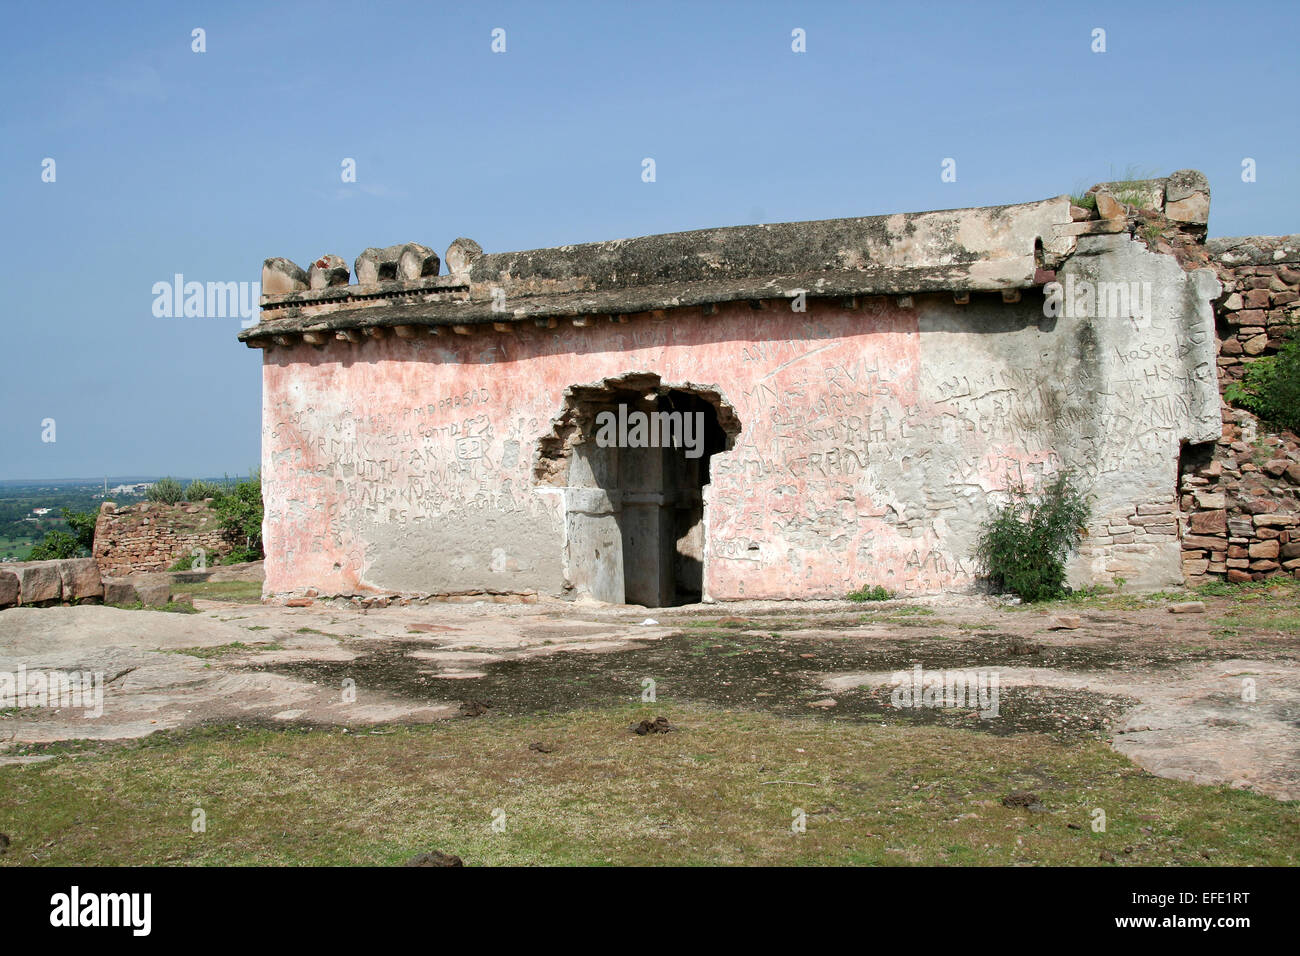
column 153, row 536
column 1240, row 498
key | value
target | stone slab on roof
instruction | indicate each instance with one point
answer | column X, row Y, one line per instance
column 962, row 250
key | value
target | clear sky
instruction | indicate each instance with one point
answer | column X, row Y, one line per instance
column 170, row 161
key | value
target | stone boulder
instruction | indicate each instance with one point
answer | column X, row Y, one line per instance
column 39, row 582
column 119, row 591
column 1187, row 197
column 154, row 589
column 80, row 578
column 8, row 588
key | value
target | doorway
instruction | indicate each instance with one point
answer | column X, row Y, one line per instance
column 634, row 457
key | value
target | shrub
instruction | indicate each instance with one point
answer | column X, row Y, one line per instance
column 239, row 513
column 82, row 524
column 1023, row 545
column 198, row 489
column 56, row 544
column 1270, row 386
column 184, row 563
column 870, row 592
column 240, row 555
column 165, row 490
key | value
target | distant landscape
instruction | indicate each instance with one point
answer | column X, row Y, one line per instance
column 31, row 508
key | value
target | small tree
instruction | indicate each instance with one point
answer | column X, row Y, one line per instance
column 1023, row 545
column 55, row 544
column 239, row 513
column 58, row 543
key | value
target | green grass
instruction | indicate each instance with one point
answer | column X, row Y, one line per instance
column 173, row 607
column 873, row 592
column 238, row 592
column 722, row 790
column 224, row 650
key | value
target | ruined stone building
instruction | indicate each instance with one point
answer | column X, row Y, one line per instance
column 863, row 388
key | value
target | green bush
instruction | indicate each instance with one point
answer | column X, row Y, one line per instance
column 56, row 544
column 166, row 491
column 1022, row 546
column 870, row 592
column 239, row 513
column 198, row 489
column 184, row 563
column 240, row 555
column 82, row 524
column 1270, row 386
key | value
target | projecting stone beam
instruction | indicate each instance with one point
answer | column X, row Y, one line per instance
column 1010, row 296
column 961, row 298
column 904, row 301
column 376, row 332
column 348, row 335
column 315, row 338
column 460, row 329
column 284, row 340
column 407, row 331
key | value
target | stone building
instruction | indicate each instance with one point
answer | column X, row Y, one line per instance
column 863, row 389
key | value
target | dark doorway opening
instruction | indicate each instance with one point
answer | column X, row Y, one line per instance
column 635, row 458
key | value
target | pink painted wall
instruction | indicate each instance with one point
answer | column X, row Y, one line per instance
column 867, row 451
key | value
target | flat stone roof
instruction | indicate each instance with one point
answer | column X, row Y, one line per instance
column 962, row 250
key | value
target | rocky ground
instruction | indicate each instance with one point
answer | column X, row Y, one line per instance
column 1171, row 691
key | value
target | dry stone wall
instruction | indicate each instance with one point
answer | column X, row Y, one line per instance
column 1241, row 495
column 152, row 537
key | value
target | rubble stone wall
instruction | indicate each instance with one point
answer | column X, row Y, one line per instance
column 1240, row 496
column 152, row 537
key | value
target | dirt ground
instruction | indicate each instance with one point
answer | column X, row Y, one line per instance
column 1165, row 689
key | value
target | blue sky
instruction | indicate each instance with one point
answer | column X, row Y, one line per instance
column 170, row 161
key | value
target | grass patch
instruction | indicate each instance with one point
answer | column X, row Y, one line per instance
column 722, row 790
column 225, row 650
column 873, row 592
column 173, row 607
column 238, row 592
